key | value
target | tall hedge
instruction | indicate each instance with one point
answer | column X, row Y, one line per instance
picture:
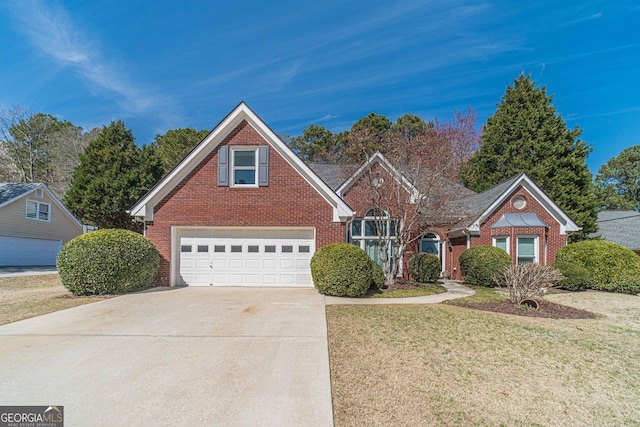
column 612, row 267
column 110, row 261
column 483, row 265
column 342, row 269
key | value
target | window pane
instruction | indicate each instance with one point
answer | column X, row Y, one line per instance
column 270, row 249
column 244, row 177
column 526, row 246
column 370, row 228
column 501, row 242
column 303, row 249
column 287, row 249
column 244, row 158
column 203, row 248
column 372, row 247
column 31, row 209
column 356, row 228
column 218, row 248
column 429, row 247
column 185, row 248
column 253, row 248
column 236, row 248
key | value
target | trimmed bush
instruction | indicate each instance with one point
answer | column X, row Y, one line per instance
column 484, row 265
column 612, row 267
column 425, row 268
column 377, row 276
column 110, row 261
column 342, row 269
column 576, row 277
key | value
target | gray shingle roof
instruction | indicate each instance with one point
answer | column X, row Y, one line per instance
column 333, row 174
column 621, row 227
column 11, row 190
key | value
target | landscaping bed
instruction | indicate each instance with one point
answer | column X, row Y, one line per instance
column 547, row 309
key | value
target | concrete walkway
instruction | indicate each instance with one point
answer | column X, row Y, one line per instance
column 454, row 290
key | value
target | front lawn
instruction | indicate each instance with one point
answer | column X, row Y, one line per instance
column 449, row 365
column 410, row 289
column 29, row 296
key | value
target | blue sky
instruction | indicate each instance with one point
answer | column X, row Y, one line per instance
column 161, row 65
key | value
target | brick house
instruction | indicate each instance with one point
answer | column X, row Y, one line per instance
column 243, row 209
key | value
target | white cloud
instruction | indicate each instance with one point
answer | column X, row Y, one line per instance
column 50, row 29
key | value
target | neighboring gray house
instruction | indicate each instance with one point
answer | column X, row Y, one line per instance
column 33, row 225
column 621, row 227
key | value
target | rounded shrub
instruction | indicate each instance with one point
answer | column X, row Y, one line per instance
column 425, row 268
column 483, row 265
column 342, row 269
column 377, row 276
column 110, row 261
column 576, row 277
column 612, row 267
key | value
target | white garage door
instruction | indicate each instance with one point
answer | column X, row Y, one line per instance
column 20, row 251
column 235, row 257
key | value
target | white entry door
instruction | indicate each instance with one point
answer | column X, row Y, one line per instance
column 245, row 257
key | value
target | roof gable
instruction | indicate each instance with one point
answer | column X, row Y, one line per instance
column 12, row 191
column 144, row 207
column 377, row 159
column 487, row 202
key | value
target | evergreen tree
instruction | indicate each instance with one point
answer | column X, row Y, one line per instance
column 112, row 175
column 618, row 181
column 174, row 145
column 526, row 135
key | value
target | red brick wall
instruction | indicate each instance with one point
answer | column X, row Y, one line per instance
column 551, row 236
column 288, row 201
column 550, row 241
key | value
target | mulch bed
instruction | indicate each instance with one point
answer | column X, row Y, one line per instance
column 547, row 310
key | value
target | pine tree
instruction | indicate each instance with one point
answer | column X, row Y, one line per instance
column 113, row 173
column 526, row 135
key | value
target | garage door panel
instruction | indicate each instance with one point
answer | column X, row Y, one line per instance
column 247, row 257
column 18, row 251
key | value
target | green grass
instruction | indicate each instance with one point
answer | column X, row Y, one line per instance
column 482, row 294
column 30, row 296
column 425, row 289
column 446, row 365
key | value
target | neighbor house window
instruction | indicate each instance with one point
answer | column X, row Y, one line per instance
column 373, row 231
column 244, row 167
column 527, row 249
column 38, row 211
column 501, row 242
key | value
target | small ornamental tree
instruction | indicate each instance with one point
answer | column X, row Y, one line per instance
column 525, row 281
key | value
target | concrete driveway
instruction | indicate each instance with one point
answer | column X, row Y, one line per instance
column 186, row 356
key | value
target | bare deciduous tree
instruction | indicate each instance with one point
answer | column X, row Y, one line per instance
column 525, row 281
column 424, row 191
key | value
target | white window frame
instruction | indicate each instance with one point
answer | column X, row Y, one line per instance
column 508, row 242
column 235, row 168
column 536, row 247
column 38, row 211
column 361, row 239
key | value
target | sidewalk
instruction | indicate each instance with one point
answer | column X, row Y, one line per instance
column 454, row 290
